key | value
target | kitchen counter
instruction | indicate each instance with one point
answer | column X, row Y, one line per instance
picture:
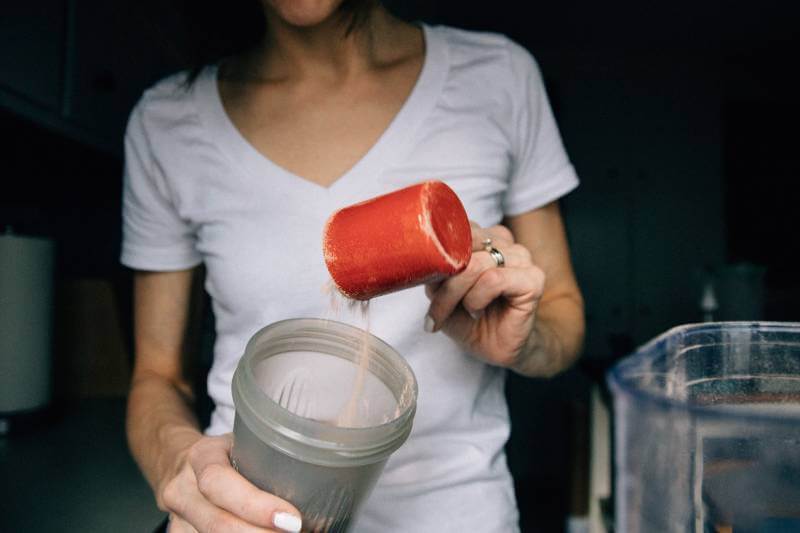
column 74, row 474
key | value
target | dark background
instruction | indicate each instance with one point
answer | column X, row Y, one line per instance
column 680, row 117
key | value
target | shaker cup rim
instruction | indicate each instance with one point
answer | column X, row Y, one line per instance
column 293, row 434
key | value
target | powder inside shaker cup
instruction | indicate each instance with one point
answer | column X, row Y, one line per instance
column 319, row 386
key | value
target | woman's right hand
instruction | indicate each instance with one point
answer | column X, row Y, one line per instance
column 205, row 494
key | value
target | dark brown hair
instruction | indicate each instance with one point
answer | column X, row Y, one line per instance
column 213, row 32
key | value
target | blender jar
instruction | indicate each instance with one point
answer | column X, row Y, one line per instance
column 707, row 430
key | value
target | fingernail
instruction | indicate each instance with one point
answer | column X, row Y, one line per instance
column 476, row 315
column 287, row 522
column 429, row 324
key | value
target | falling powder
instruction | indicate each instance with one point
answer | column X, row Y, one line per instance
column 348, row 417
column 357, row 408
column 358, row 403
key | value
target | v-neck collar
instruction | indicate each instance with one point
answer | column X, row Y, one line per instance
column 390, row 147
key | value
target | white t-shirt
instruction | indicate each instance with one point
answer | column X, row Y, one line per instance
column 197, row 191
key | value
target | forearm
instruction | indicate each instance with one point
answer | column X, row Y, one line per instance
column 556, row 340
column 161, row 426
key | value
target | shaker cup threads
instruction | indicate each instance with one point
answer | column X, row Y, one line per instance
column 408, row 237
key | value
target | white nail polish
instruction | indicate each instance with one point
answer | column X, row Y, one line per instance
column 287, row 522
column 429, row 324
column 476, row 315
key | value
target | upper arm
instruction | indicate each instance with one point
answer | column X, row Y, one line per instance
column 542, row 232
column 161, row 311
column 561, row 307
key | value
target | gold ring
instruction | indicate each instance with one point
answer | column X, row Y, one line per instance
column 487, row 243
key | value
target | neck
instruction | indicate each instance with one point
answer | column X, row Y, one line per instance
column 325, row 49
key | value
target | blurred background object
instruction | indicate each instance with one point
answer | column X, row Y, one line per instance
column 26, row 325
column 740, row 287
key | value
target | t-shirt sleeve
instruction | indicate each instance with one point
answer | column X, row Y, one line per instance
column 541, row 170
column 154, row 236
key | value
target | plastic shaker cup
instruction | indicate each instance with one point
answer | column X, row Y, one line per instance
column 411, row 236
column 299, row 434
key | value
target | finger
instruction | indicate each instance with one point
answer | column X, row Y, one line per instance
column 498, row 341
column 223, row 486
column 501, row 234
column 497, row 235
column 520, row 287
column 179, row 525
column 446, row 299
column 193, row 509
column 431, row 288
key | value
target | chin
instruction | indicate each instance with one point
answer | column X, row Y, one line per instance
column 304, row 13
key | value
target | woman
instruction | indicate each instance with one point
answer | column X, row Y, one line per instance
column 239, row 167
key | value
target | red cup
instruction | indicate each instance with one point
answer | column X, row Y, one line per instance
column 411, row 236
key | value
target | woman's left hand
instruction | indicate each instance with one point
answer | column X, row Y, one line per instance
column 489, row 308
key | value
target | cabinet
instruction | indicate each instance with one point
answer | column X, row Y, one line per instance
column 118, row 54
column 31, row 53
column 78, row 66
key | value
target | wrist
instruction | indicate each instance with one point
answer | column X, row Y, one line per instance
column 541, row 354
column 174, row 443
